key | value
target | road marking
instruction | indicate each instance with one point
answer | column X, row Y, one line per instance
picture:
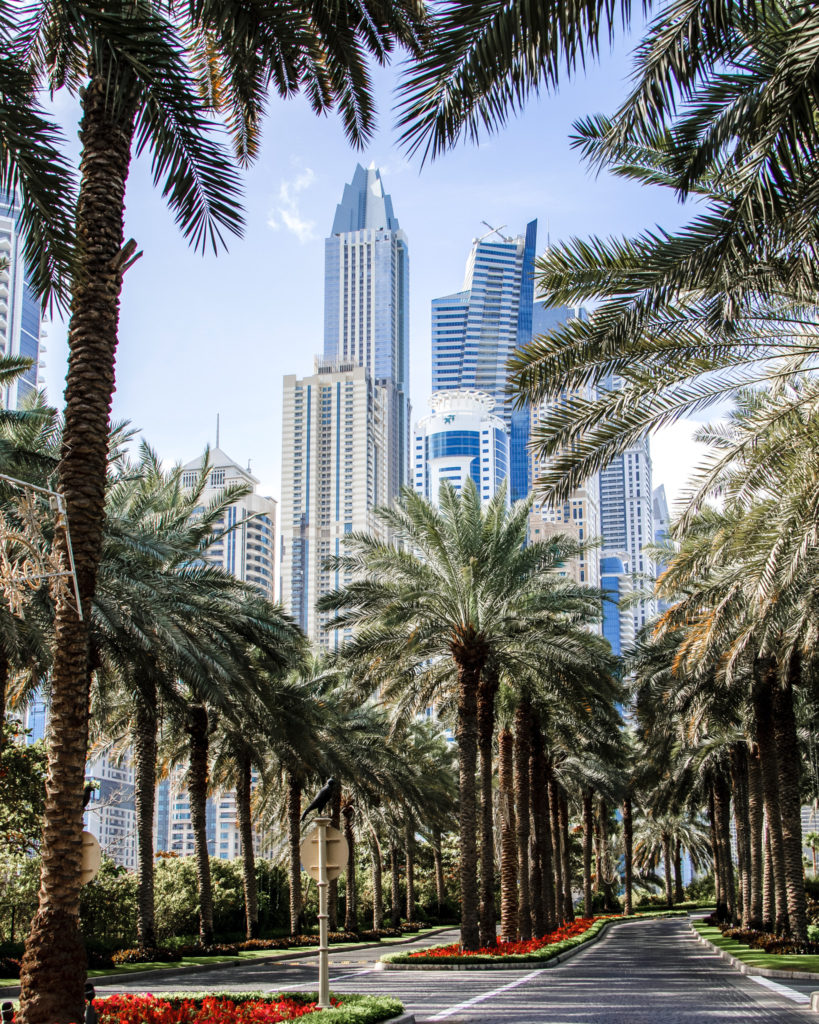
column 781, row 990
column 333, row 979
column 486, row 995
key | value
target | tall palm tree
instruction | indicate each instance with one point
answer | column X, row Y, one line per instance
column 141, row 86
column 460, row 590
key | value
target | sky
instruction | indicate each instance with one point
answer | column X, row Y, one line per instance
column 207, row 335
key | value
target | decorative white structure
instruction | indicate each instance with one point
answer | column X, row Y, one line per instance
column 461, row 439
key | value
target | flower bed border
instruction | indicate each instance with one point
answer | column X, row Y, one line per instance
column 546, row 956
column 752, row 969
column 358, row 1008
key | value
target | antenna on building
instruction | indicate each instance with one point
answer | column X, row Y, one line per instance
column 548, row 238
column 494, row 231
column 217, row 429
column 248, row 465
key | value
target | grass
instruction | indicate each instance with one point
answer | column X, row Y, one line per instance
column 758, row 957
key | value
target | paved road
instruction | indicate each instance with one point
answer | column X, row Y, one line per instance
column 651, row 972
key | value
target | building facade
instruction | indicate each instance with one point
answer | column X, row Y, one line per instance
column 460, row 440
column 335, row 471
column 20, row 314
column 366, row 304
column 476, row 330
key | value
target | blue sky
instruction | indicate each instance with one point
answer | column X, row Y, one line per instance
column 201, row 336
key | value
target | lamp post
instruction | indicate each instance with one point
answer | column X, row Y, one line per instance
column 323, row 855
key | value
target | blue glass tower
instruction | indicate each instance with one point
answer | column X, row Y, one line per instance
column 20, row 316
column 366, row 303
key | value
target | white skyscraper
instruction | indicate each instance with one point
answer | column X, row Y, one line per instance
column 20, row 316
column 334, row 473
column 461, row 439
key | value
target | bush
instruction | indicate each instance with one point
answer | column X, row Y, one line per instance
column 768, row 942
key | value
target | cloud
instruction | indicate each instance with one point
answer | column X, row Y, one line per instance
column 286, row 213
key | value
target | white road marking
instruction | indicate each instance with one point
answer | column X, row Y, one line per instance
column 486, row 995
column 333, row 979
column 781, row 990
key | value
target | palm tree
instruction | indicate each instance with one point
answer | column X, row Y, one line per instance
column 141, row 86
column 461, row 590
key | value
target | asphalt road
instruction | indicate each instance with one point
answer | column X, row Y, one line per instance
column 649, row 972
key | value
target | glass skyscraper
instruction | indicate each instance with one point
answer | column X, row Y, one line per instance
column 475, row 331
column 20, row 317
column 366, row 303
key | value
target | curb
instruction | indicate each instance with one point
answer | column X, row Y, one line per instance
column 169, row 973
column 760, row 972
column 532, row 965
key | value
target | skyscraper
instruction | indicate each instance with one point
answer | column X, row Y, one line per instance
column 366, row 304
column 335, row 459
column 459, row 440
column 474, row 332
column 20, row 316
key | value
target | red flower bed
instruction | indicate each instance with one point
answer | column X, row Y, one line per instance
column 566, row 931
column 128, row 1009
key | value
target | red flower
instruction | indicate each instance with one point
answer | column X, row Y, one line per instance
column 566, row 931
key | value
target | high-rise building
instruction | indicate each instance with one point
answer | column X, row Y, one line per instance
column 335, row 471
column 247, row 550
column 366, row 304
column 475, row 330
column 111, row 811
column 459, row 440
column 20, row 314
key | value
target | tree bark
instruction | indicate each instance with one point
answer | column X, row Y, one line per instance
column 605, row 858
column 145, row 728
column 197, row 783
column 470, row 663
column 628, row 847
column 332, row 887
column 487, row 690
column 522, row 747
column 715, row 850
column 245, row 823
column 762, row 696
column 568, row 904
column 768, row 900
column 588, row 839
column 557, row 909
column 350, row 902
column 4, row 682
column 52, row 975
column 667, row 866
column 678, row 882
column 409, row 866
column 509, row 852
column 790, row 802
column 722, row 811
column 755, row 830
column 378, row 882
column 440, row 886
column 293, row 783
column 395, row 908
column 739, row 786
column 542, row 866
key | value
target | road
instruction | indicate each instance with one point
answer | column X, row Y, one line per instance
column 648, row 972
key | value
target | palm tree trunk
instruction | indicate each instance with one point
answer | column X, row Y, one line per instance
column 409, row 866
column 332, row 888
column 522, row 747
column 755, row 828
column 4, row 682
column 541, row 871
column 739, row 785
column 679, row 896
column 568, row 905
column 487, row 691
column 350, row 902
column 557, row 908
column 197, row 784
column 588, row 839
column 438, row 859
column 604, row 862
column 378, row 882
column 245, row 822
column 715, row 851
column 52, row 975
column 628, row 855
column 293, row 784
column 470, row 663
column 667, row 855
column 790, row 802
column 762, row 695
column 722, row 811
column 768, row 898
column 395, row 909
column 509, row 853
column 145, row 726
